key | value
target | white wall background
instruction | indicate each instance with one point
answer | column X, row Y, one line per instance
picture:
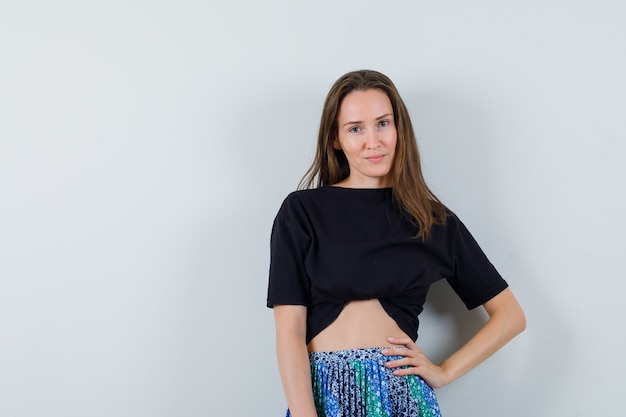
column 145, row 147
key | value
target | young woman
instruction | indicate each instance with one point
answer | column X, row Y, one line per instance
column 353, row 253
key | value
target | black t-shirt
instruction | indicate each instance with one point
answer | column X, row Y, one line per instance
column 332, row 245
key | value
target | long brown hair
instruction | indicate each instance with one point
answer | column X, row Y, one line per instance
column 331, row 166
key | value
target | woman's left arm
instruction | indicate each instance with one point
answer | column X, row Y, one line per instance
column 506, row 320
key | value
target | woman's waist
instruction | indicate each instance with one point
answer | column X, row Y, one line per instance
column 360, row 325
column 366, row 339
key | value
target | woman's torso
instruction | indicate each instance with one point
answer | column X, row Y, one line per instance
column 350, row 255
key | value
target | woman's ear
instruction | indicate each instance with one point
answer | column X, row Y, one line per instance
column 336, row 144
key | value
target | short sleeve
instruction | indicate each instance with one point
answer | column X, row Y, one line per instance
column 474, row 279
column 289, row 245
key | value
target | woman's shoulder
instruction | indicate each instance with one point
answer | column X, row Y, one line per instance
column 453, row 229
column 302, row 200
column 328, row 192
column 304, row 195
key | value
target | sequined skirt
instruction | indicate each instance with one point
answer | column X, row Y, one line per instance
column 356, row 383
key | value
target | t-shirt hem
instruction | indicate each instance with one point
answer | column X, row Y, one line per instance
column 286, row 303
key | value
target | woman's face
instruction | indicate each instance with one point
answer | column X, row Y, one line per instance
column 367, row 135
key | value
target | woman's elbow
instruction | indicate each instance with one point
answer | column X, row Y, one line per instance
column 517, row 320
column 521, row 323
column 506, row 310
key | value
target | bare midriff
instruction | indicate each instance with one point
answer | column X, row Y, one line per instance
column 361, row 324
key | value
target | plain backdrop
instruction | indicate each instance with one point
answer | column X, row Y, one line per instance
column 145, row 147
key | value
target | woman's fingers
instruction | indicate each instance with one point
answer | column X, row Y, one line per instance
column 411, row 355
column 412, row 360
column 408, row 358
column 405, row 347
column 405, row 341
column 406, row 361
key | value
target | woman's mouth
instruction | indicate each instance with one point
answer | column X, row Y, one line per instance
column 375, row 158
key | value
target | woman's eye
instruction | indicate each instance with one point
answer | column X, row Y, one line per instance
column 383, row 123
column 354, row 129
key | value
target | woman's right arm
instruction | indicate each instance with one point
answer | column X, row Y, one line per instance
column 293, row 359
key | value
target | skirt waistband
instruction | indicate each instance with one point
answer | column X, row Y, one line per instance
column 353, row 354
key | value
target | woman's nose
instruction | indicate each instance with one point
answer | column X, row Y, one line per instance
column 372, row 141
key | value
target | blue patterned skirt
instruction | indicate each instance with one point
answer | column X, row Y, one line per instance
column 356, row 383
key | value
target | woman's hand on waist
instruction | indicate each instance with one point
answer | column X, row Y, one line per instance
column 414, row 362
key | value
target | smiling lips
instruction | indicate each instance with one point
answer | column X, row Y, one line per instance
column 375, row 158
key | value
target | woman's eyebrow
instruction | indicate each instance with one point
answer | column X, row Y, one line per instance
column 352, row 123
column 356, row 122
